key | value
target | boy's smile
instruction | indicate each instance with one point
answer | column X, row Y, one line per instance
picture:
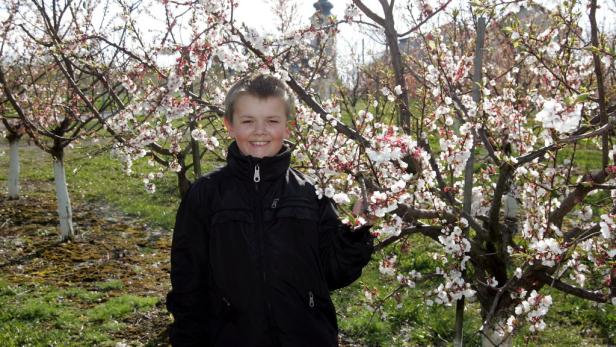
column 259, row 126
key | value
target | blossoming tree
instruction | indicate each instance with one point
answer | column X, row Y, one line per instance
column 13, row 127
column 32, row 84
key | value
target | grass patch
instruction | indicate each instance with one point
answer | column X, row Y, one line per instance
column 48, row 316
column 109, row 285
column 83, row 295
column 44, row 316
column 119, row 307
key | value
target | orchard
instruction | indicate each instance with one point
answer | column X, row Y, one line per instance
column 480, row 131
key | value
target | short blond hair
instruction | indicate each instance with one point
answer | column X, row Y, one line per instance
column 262, row 86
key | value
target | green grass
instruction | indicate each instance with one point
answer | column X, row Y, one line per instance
column 117, row 188
column 100, row 177
column 120, row 307
column 110, row 285
column 48, row 316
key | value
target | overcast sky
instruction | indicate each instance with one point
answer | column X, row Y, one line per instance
column 258, row 14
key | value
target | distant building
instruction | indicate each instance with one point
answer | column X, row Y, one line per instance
column 324, row 84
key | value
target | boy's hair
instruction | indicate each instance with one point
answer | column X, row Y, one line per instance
column 263, row 87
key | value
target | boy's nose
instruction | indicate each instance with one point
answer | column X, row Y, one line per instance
column 259, row 127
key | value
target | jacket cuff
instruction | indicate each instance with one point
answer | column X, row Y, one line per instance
column 359, row 234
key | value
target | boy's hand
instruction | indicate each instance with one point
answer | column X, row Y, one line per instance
column 360, row 209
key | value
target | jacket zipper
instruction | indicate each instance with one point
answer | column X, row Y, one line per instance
column 310, row 299
column 257, row 176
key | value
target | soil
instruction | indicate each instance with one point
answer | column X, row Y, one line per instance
column 108, row 245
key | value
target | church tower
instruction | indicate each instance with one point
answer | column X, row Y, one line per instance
column 324, row 86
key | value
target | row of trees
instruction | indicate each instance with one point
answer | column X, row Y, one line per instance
column 467, row 131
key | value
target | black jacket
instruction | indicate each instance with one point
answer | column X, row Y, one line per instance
column 254, row 256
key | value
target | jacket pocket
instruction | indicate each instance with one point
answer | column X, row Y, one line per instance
column 232, row 216
column 304, row 213
column 219, row 306
column 321, row 305
column 222, row 323
column 296, row 208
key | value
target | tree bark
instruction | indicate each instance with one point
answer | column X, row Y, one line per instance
column 64, row 203
column 491, row 338
column 594, row 38
column 196, row 152
column 13, row 182
column 469, row 168
column 404, row 114
column 183, row 181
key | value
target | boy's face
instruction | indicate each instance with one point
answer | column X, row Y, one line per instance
column 259, row 126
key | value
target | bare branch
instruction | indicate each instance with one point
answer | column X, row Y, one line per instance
column 431, row 231
column 605, row 129
column 576, row 196
column 410, row 214
column 594, row 37
column 567, row 288
column 368, row 12
column 425, row 20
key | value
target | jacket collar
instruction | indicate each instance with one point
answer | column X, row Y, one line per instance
column 270, row 168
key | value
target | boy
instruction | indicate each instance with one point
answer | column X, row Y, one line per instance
column 255, row 252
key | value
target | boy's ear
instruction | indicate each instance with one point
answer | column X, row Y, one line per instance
column 228, row 125
column 287, row 129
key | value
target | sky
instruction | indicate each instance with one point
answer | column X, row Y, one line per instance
column 350, row 36
column 259, row 15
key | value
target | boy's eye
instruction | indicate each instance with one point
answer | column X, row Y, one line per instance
column 246, row 121
column 275, row 121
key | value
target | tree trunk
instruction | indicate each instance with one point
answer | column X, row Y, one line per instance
column 183, row 181
column 196, row 152
column 492, row 339
column 64, row 203
column 404, row 114
column 470, row 167
column 13, row 182
column 459, row 325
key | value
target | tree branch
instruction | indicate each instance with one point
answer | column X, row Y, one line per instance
column 368, row 12
column 567, row 288
column 594, row 38
column 434, row 13
column 431, row 231
column 576, row 196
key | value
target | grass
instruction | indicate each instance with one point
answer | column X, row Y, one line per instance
column 119, row 307
column 110, row 285
column 100, row 177
column 42, row 315
column 76, row 316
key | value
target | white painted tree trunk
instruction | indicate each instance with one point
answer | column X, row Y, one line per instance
column 13, row 182
column 492, row 339
column 64, row 203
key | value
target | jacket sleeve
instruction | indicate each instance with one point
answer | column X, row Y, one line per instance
column 186, row 300
column 343, row 251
